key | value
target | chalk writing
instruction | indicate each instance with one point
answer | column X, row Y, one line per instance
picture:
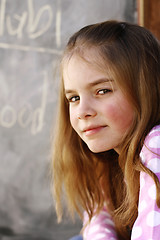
column 32, row 23
column 29, row 48
column 17, row 31
column 9, row 117
column 8, row 112
column 34, row 20
column 29, row 22
column 58, row 28
column 25, row 115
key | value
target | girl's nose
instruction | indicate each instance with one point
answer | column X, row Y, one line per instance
column 85, row 110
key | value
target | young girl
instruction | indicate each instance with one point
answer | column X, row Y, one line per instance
column 106, row 157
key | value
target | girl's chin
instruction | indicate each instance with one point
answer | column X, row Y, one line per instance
column 97, row 149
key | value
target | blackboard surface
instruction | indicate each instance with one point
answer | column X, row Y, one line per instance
column 33, row 34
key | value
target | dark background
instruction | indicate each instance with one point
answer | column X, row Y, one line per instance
column 33, row 34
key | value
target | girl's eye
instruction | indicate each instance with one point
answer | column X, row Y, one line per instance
column 103, row 91
column 73, row 99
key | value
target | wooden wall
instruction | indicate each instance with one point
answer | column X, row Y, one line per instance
column 149, row 15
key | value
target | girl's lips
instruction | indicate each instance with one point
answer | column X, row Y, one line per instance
column 93, row 130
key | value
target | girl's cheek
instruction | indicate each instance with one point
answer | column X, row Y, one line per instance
column 121, row 115
column 72, row 118
column 112, row 112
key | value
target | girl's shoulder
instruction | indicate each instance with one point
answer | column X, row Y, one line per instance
column 152, row 140
column 151, row 149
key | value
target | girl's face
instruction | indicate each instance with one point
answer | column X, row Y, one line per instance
column 99, row 112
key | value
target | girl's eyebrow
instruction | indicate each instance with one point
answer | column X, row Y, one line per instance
column 92, row 84
column 99, row 81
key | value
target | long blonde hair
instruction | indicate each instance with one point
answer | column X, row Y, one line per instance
column 133, row 56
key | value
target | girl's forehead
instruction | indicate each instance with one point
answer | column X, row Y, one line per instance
column 80, row 73
column 78, row 65
column 90, row 58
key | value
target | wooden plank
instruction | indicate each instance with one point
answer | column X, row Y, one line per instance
column 143, row 12
column 149, row 15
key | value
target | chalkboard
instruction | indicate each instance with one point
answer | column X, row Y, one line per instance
column 33, row 34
